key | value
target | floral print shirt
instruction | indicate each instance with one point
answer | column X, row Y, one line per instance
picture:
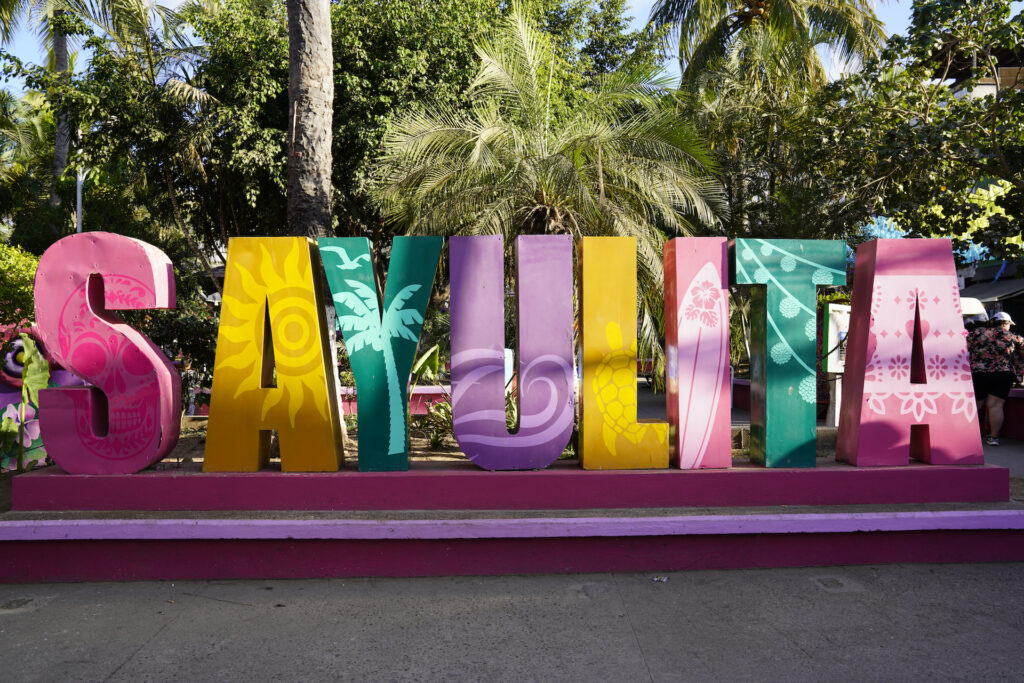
column 994, row 349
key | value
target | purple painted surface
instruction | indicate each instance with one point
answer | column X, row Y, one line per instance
column 545, row 377
column 569, row 527
column 553, row 489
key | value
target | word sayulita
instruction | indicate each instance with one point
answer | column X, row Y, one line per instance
column 908, row 389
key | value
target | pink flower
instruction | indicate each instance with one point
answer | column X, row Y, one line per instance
column 899, row 368
column 11, row 412
column 937, row 366
column 30, row 432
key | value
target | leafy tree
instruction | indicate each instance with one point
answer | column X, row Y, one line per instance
column 17, row 278
column 136, row 106
column 708, row 29
column 26, row 150
column 624, row 163
column 904, row 138
column 55, row 23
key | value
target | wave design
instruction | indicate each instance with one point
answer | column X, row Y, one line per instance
column 541, row 420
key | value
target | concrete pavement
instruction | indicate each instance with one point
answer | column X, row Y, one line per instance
column 869, row 623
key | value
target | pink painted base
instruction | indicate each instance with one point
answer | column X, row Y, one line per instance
column 111, row 560
column 470, row 489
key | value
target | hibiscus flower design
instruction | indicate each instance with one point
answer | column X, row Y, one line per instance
column 706, row 295
column 899, row 368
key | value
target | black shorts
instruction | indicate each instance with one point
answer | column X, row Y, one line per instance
column 997, row 384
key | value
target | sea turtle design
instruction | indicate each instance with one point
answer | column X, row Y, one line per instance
column 615, row 387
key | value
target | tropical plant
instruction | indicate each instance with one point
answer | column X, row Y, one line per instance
column 17, row 279
column 930, row 135
column 19, row 426
column 136, row 104
column 365, row 327
column 623, row 163
column 54, row 23
column 310, row 103
column 707, row 30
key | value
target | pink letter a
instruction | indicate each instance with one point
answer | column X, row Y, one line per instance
column 908, row 391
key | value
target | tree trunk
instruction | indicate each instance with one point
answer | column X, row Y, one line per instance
column 62, row 136
column 311, row 98
column 310, row 113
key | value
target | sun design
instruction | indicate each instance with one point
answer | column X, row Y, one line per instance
column 253, row 282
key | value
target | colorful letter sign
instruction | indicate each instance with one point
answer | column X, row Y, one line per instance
column 908, row 391
column 81, row 279
column 612, row 437
column 545, row 378
column 783, row 384
column 273, row 369
column 381, row 346
column 697, row 351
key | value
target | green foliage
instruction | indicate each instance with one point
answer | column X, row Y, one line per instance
column 904, row 138
column 707, row 30
column 19, row 435
column 35, row 373
column 426, row 366
column 622, row 163
column 17, row 279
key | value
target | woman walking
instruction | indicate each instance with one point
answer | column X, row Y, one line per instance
column 996, row 354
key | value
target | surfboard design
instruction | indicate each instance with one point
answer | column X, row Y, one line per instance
column 702, row 357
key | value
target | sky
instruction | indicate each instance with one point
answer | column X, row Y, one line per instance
column 895, row 14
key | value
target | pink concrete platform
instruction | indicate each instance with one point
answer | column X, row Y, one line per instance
column 470, row 489
column 154, row 549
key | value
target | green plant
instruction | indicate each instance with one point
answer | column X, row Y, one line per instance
column 438, row 421
column 17, row 279
column 19, row 426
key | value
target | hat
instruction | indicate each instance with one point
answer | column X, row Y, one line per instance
column 1003, row 317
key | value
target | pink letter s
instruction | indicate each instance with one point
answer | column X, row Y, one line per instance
column 81, row 279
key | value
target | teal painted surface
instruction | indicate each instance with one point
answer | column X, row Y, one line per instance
column 785, row 275
column 381, row 345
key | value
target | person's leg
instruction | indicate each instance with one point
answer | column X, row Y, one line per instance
column 994, row 404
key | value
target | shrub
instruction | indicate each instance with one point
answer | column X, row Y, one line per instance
column 17, row 278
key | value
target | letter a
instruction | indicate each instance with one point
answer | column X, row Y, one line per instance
column 908, row 390
column 273, row 368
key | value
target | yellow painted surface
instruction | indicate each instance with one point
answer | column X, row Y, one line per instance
column 281, row 378
column 612, row 437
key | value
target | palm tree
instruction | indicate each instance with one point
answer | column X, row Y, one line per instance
column 366, row 327
column 624, row 163
column 152, row 43
column 51, row 13
column 26, row 138
column 707, row 29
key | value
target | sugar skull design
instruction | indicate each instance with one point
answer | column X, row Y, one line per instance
column 127, row 419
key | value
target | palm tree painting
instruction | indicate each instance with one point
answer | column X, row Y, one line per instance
column 381, row 345
column 366, row 327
